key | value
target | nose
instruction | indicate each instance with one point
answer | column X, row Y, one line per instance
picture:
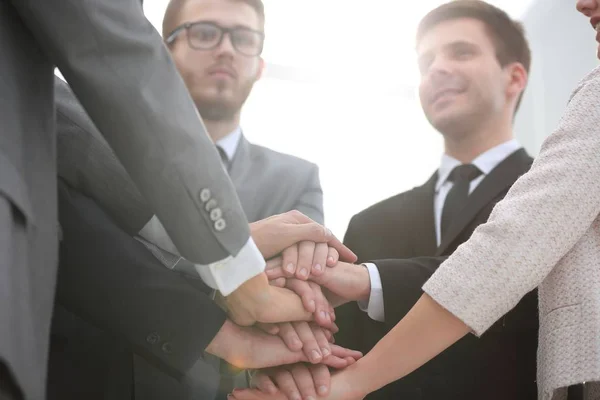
column 439, row 69
column 226, row 46
column 587, row 7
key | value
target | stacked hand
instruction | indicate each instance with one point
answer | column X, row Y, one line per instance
column 287, row 324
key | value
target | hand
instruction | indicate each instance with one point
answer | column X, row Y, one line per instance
column 344, row 385
column 297, row 381
column 274, row 234
column 311, row 294
column 257, row 301
column 346, row 282
column 245, row 348
column 306, row 258
column 308, row 337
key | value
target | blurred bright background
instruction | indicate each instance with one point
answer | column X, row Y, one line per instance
column 340, row 91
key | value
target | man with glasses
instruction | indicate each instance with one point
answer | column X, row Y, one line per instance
column 217, row 48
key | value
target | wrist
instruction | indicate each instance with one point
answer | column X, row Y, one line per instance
column 364, row 291
column 224, row 343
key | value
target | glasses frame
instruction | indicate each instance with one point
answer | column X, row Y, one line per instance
column 224, row 31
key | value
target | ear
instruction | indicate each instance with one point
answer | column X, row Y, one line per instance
column 261, row 68
column 517, row 79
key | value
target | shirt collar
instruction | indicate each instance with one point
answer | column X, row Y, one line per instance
column 230, row 143
column 486, row 162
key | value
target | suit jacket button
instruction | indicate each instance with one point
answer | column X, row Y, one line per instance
column 220, row 224
column 167, row 348
column 216, row 214
column 205, row 195
column 153, row 338
column 212, row 203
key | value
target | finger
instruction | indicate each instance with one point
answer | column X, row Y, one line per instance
column 305, row 291
column 332, row 257
column 284, row 305
column 305, row 259
column 328, row 335
column 335, row 362
column 289, row 336
column 286, row 384
column 310, row 346
column 279, row 282
column 321, row 339
column 304, row 381
column 322, row 315
column 321, row 379
column 263, row 382
column 254, row 394
column 345, row 254
column 274, row 263
column 290, row 260
column 271, row 329
column 342, row 352
column 350, row 360
column 319, row 260
column 275, row 273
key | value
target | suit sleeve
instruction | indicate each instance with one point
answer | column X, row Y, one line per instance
column 310, row 202
column 87, row 163
column 121, row 72
column 402, row 281
column 544, row 214
column 111, row 280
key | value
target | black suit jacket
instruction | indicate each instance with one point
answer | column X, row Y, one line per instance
column 400, row 233
column 124, row 326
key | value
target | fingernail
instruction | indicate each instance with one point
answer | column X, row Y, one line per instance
column 290, row 267
column 324, row 315
column 315, row 356
column 303, row 272
column 312, row 304
column 318, row 267
column 296, row 396
column 322, row 390
column 330, row 259
column 325, row 351
column 310, row 398
column 328, row 232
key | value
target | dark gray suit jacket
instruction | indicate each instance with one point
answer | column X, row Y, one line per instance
column 269, row 183
column 118, row 66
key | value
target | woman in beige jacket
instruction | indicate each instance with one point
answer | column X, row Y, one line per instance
column 545, row 234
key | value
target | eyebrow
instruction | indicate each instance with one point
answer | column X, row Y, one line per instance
column 451, row 45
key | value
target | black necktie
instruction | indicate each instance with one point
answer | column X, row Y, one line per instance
column 456, row 199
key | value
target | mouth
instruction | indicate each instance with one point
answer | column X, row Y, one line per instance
column 222, row 72
column 444, row 93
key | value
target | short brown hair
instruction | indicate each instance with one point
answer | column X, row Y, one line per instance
column 507, row 35
column 172, row 14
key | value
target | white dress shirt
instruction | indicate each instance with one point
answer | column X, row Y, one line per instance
column 230, row 143
column 224, row 275
column 486, row 162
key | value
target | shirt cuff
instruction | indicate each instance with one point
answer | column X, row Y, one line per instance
column 224, row 275
column 230, row 273
column 374, row 306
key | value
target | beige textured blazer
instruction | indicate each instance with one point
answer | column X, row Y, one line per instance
column 546, row 233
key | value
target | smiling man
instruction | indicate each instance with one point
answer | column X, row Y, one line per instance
column 217, row 46
column 474, row 62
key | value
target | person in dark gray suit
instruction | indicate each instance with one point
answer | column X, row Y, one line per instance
column 111, row 319
column 216, row 46
column 123, row 75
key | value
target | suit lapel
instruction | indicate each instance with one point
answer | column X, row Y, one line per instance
column 423, row 196
column 501, row 178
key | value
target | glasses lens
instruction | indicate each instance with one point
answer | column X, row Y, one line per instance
column 247, row 42
column 204, row 36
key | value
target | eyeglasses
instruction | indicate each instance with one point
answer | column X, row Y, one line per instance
column 208, row 35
